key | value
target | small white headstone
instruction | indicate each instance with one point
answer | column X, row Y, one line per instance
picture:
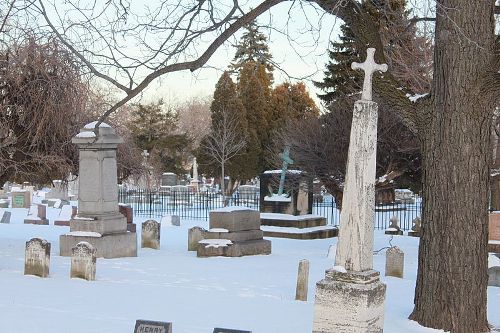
column 83, row 261
column 37, row 257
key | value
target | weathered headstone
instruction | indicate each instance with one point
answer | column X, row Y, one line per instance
column 83, row 261
column 494, row 276
column 37, row 257
column 148, row 326
column 394, row 228
column 394, row 262
column 98, row 212
column 4, row 203
column 21, row 199
column 168, row 179
column 351, row 297
column 228, row 330
column 4, row 216
column 302, row 281
column 195, row 235
column 150, row 236
column 416, row 228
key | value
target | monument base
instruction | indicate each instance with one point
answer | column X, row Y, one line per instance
column 351, row 302
column 36, row 221
column 393, row 232
column 103, row 224
column 412, row 233
column 237, row 249
column 108, row 246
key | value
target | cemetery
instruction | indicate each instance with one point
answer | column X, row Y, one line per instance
column 350, row 186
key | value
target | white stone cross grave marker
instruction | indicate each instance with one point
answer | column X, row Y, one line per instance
column 369, row 67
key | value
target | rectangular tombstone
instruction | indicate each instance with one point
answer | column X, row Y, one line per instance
column 195, row 235
column 21, row 199
column 235, row 219
column 148, row 326
column 394, row 262
column 150, row 236
column 228, row 330
column 83, row 261
column 174, row 220
column 4, row 216
column 37, row 257
column 4, row 204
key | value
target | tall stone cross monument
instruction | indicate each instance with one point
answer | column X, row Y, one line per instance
column 285, row 156
column 351, row 297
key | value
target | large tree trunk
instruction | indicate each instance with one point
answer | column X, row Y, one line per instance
column 452, row 276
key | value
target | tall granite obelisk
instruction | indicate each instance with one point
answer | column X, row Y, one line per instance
column 351, row 297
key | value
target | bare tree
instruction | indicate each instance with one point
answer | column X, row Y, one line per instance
column 194, row 118
column 223, row 143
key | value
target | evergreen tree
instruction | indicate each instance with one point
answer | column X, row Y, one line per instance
column 155, row 129
column 255, row 92
column 252, row 48
column 226, row 100
column 291, row 102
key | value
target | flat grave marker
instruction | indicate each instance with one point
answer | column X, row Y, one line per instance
column 149, row 326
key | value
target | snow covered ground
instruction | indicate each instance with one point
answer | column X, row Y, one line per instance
column 195, row 294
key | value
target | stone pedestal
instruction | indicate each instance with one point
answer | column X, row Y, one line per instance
column 99, row 221
column 351, row 302
column 235, row 232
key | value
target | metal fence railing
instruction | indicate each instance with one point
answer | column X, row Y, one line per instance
column 196, row 205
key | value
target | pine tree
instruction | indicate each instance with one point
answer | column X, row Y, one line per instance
column 255, row 92
column 226, row 99
column 291, row 102
column 252, row 48
column 155, row 129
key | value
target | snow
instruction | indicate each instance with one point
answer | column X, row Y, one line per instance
column 493, row 261
column 293, row 230
column 195, row 294
column 340, row 269
column 218, row 230
column 391, row 229
column 414, row 98
column 92, row 125
column 278, row 198
column 287, row 171
column 215, row 242
column 288, row 217
column 86, row 135
column 84, row 234
column 229, row 209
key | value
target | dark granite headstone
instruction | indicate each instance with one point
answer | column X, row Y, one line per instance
column 227, row 330
column 148, row 326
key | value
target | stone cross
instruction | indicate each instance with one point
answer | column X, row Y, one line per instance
column 286, row 161
column 355, row 245
column 369, row 67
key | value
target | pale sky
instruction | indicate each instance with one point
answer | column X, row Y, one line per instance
column 305, row 59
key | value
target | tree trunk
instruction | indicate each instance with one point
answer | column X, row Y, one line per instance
column 450, row 293
column 222, row 186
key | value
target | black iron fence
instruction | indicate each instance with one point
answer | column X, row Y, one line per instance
column 196, row 205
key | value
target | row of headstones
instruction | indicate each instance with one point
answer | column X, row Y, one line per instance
column 149, row 326
column 37, row 259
